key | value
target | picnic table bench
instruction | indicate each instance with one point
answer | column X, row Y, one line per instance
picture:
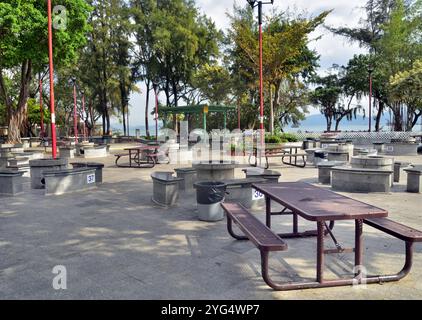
column 281, row 152
column 318, row 205
column 135, row 154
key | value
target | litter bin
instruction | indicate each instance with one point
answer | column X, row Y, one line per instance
column 319, row 156
column 209, row 195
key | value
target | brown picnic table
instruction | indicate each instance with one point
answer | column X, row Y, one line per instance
column 290, row 152
column 323, row 207
column 136, row 154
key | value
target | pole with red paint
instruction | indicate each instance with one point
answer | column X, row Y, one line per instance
column 51, row 64
column 253, row 4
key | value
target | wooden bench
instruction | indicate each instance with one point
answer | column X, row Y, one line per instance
column 400, row 231
column 153, row 157
column 286, row 153
column 255, row 231
column 118, row 156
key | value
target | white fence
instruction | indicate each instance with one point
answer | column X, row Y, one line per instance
column 361, row 137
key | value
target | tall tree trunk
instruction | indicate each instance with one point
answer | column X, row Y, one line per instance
column 416, row 117
column 329, row 123
column 271, row 110
column 17, row 117
column 398, row 120
column 379, row 115
column 123, row 97
column 147, row 109
column 176, row 98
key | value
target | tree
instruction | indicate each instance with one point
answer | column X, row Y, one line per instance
column 285, row 47
column 366, row 35
column 23, row 50
column 399, row 48
column 293, row 101
column 213, row 83
column 407, row 88
column 330, row 95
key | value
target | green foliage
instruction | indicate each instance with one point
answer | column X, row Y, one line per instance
column 273, row 139
column 286, row 60
column 289, row 137
column 280, row 137
column 392, row 32
column 34, row 114
column 23, row 29
column 213, row 81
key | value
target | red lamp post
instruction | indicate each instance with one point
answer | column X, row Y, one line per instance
column 253, row 4
column 50, row 55
column 41, row 110
column 75, row 115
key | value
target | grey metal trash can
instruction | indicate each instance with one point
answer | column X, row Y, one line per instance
column 209, row 195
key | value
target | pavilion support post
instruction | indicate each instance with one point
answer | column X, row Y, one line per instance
column 205, row 121
column 225, row 120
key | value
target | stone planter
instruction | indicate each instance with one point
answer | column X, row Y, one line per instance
column 96, row 152
column 67, row 152
column 189, row 177
column 271, row 176
column 83, row 145
column 398, row 165
column 11, row 182
column 324, row 170
column 379, row 146
column 59, row 182
column 401, row 149
column 361, row 180
column 364, row 152
column 94, row 165
column 372, row 162
column 414, row 179
column 165, row 188
column 214, row 171
column 41, row 165
column 341, row 156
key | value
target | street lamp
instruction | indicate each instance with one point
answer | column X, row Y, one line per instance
column 253, row 4
column 75, row 117
column 370, row 71
column 50, row 56
column 83, row 113
column 155, row 87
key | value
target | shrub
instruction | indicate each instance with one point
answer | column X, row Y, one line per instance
column 289, row 137
column 273, row 139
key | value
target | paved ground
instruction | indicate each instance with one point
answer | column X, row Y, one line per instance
column 115, row 244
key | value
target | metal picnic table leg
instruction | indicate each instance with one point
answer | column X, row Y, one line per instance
column 268, row 211
column 320, row 252
column 130, row 158
column 358, row 246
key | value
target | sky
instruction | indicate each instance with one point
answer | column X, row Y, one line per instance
column 332, row 49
